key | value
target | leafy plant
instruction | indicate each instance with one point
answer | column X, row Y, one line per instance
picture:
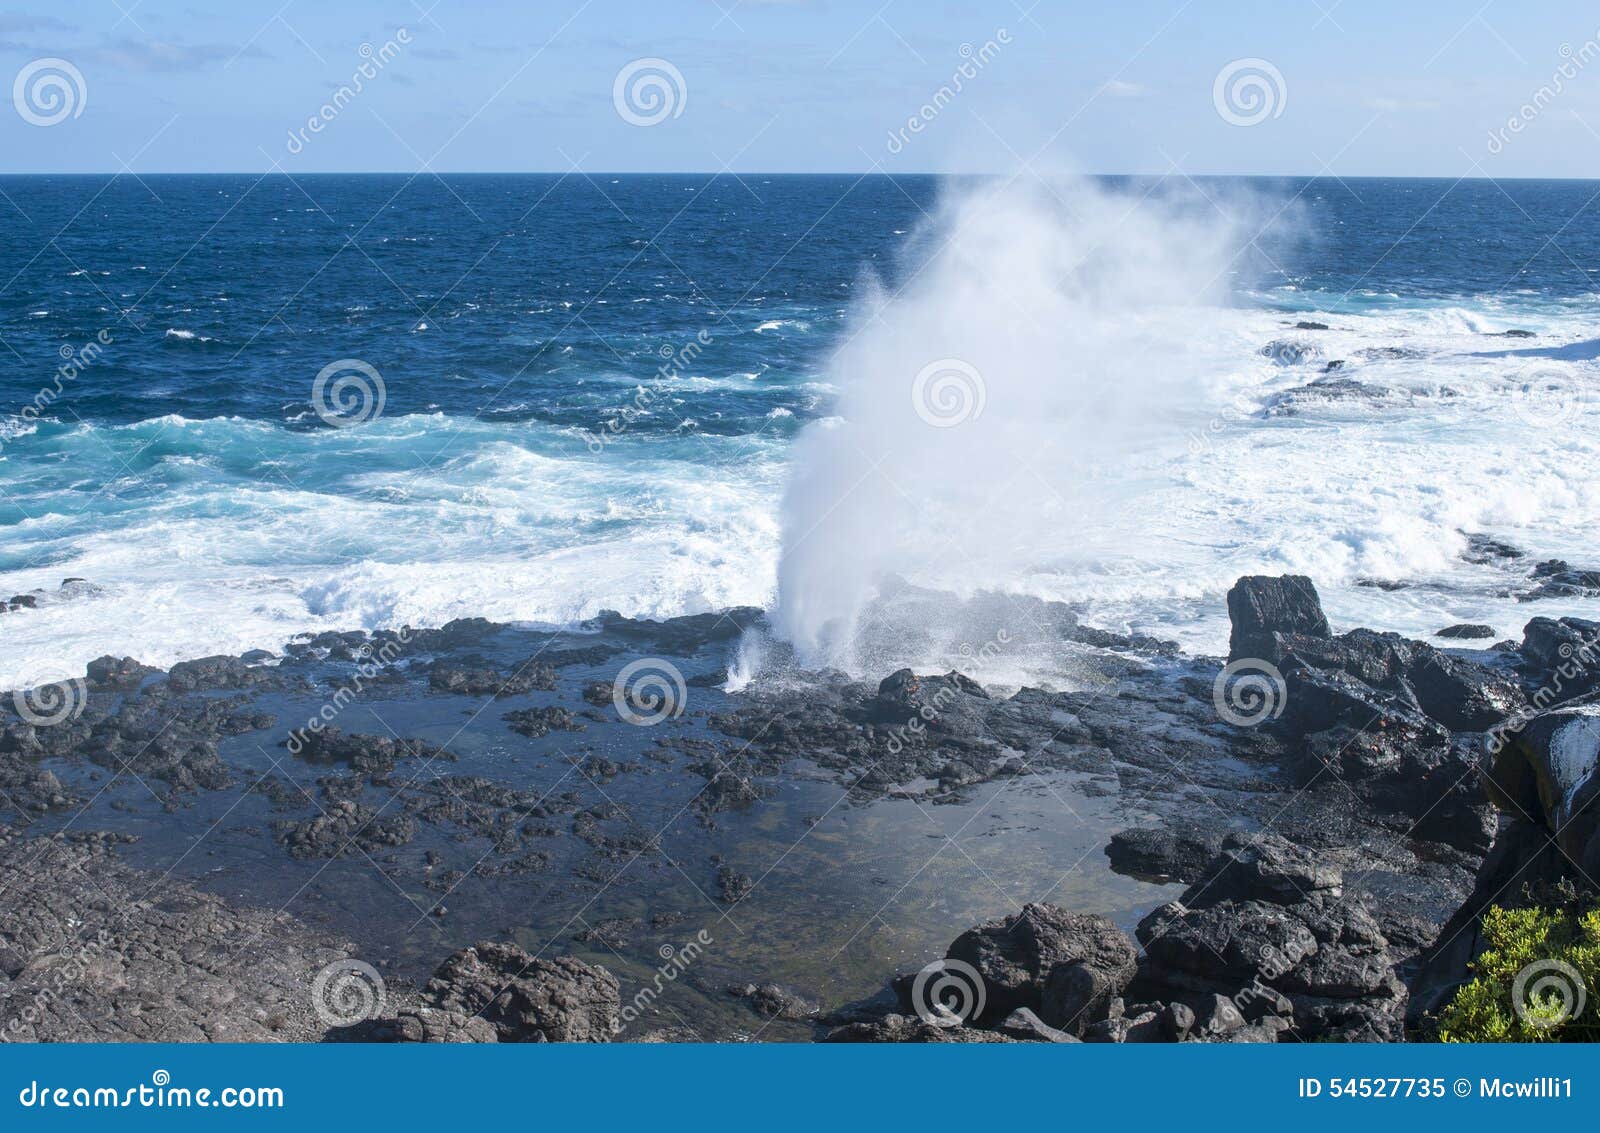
column 1534, row 981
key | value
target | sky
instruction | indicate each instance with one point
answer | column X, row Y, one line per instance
column 1293, row 87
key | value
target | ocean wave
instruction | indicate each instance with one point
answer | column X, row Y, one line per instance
column 179, row 334
column 229, row 532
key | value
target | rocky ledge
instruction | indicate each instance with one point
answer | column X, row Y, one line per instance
column 1340, row 809
column 1483, row 764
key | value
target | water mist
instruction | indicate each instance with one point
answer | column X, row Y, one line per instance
column 997, row 403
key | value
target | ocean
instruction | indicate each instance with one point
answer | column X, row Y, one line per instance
column 542, row 397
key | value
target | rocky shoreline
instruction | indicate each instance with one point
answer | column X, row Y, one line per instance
column 1338, row 810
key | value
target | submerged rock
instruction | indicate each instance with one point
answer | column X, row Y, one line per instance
column 733, row 886
column 1483, row 548
column 774, row 1002
column 1466, row 632
column 1325, row 390
column 1556, row 578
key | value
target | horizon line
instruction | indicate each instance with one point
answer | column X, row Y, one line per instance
column 759, row 173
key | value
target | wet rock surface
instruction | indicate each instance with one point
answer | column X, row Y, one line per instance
column 1556, row 578
column 91, row 950
column 1467, row 632
column 467, row 770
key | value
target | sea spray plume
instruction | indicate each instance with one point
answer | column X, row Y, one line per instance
column 995, row 405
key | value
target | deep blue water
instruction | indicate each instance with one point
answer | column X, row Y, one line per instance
column 538, row 292
column 514, row 320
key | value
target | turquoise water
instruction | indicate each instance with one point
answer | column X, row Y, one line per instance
column 591, row 388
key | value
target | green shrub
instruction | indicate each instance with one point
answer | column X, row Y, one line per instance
column 1483, row 1010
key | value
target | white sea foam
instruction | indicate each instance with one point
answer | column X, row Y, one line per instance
column 417, row 520
column 1122, row 459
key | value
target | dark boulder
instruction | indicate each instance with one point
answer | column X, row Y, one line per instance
column 1223, row 943
column 1548, row 771
column 1556, row 578
column 527, row 999
column 1560, row 659
column 1261, row 607
column 1163, row 853
column 951, row 704
column 117, row 673
column 1267, row 867
column 1066, row 966
column 1466, row 631
column 222, row 672
column 1321, row 699
column 1461, row 695
column 1483, row 549
column 1271, row 923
